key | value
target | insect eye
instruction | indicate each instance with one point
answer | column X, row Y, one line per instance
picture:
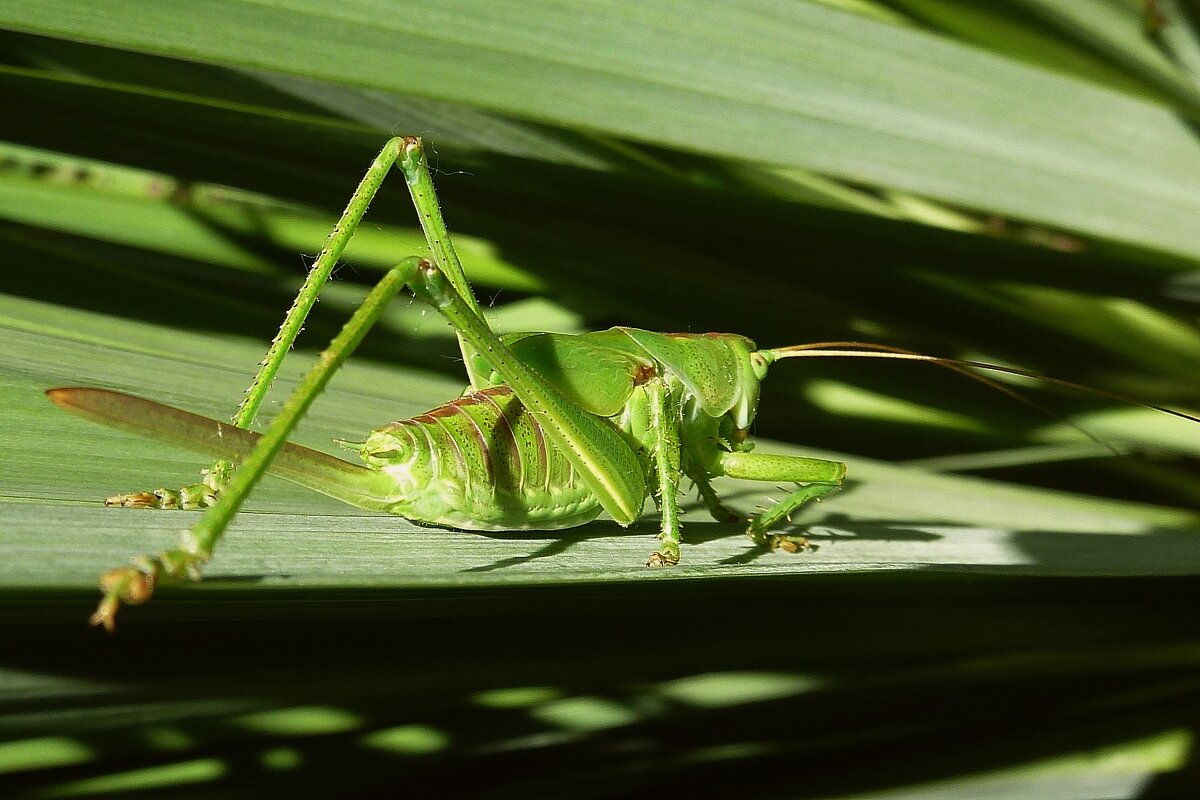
column 759, row 365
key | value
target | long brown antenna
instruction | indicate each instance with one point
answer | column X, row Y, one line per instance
column 963, row 367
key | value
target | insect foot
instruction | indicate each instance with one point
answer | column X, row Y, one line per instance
column 198, row 495
column 129, row 585
column 667, row 556
column 134, row 585
column 788, row 544
column 159, row 498
column 778, row 541
column 781, row 512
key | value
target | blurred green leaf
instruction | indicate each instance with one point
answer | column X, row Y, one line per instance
column 847, row 95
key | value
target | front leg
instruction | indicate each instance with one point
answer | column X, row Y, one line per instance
column 818, row 476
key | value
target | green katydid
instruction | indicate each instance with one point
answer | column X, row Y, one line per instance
column 552, row 430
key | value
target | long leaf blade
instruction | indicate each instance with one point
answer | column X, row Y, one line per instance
column 835, row 92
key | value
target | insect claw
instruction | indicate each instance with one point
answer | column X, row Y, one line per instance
column 132, row 585
column 105, row 616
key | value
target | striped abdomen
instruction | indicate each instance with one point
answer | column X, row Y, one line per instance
column 480, row 462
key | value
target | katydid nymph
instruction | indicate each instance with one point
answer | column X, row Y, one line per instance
column 551, row 431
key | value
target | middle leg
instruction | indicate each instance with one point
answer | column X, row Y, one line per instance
column 665, row 457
